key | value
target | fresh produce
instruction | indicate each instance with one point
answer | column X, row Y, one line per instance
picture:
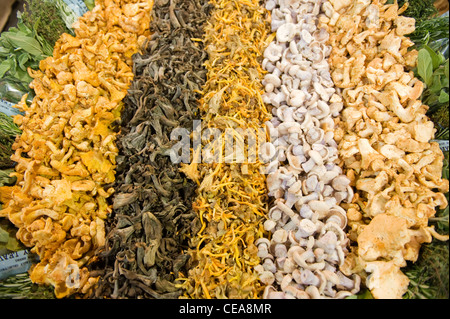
column 8, row 132
column 231, row 199
column 21, row 287
column 152, row 221
column 39, row 26
column 434, row 33
column 66, row 153
column 20, row 48
column 384, row 143
column 433, row 70
column 70, row 13
column 90, row 4
column 343, row 195
column 8, row 241
column 307, row 223
column 420, row 10
column 427, row 275
column 44, row 17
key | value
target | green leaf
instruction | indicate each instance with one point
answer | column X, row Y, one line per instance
column 446, row 69
column 436, row 85
column 444, row 82
column 443, row 97
column 22, row 59
column 439, row 72
column 3, row 50
column 28, row 44
column 4, row 67
column 4, row 235
column 435, row 58
column 23, row 28
column 90, row 4
column 425, row 66
column 13, row 244
column 23, row 76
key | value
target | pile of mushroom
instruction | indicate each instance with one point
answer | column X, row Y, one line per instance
column 66, row 155
column 384, row 141
column 308, row 241
column 231, row 197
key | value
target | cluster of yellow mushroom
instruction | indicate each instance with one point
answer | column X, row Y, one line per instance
column 384, row 142
column 231, row 197
column 66, row 154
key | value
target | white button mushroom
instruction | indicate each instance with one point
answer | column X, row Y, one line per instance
column 286, row 32
column 305, row 229
column 297, row 97
column 280, row 236
column 267, row 277
column 307, row 243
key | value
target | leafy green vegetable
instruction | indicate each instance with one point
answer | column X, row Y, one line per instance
column 8, row 132
column 425, row 66
column 429, row 275
column 419, row 9
column 21, row 48
column 446, row 69
column 436, row 57
column 443, row 97
column 434, row 33
column 67, row 14
column 4, row 236
column 90, row 4
column 45, row 18
column 21, row 287
column 432, row 69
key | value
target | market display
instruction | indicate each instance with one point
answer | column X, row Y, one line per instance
column 152, row 218
column 209, row 149
column 384, row 143
column 231, row 197
column 66, row 153
column 308, row 243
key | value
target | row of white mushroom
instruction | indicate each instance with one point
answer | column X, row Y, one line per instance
column 308, row 242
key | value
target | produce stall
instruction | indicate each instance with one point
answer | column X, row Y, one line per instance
column 214, row 149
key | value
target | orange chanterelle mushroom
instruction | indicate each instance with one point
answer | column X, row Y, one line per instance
column 384, row 141
column 66, row 154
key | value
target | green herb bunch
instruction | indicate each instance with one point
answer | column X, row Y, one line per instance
column 433, row 70
column 21, row 48
column 433, row 32
column 429, row 275
column 21, row 287
column 44, row 17
column 8, row 132
column 420, row 10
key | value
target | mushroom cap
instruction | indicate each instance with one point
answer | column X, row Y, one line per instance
column 384, row 237
column 386, row 281
column 286, row 32
column 273, row 52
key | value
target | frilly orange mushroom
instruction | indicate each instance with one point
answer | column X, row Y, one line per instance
column 385, row 143
column 66, row 153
